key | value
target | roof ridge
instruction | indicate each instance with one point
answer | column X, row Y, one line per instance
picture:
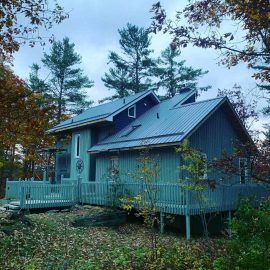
column 194, row 103
column 143, row 92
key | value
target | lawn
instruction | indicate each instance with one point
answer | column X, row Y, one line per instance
column 50, row 241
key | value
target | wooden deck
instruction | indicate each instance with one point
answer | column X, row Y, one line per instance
column 33, row 194
column 169, row 198
column 172, row 199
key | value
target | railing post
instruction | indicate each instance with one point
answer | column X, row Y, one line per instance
column 61, row 178
column 188, row 227
column 22, row 198
column 229, row 223
column 161, row 222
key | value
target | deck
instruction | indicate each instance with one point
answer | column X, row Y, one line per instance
column 169, row 198
column 34, row 194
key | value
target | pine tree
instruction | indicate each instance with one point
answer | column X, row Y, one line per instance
column 174, row 76
column 35, row 82
column 67, row 80
column 131, row 71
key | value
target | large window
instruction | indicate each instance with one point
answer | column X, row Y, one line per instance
column 77, row 146
column 203, row 169
column 132, row 111
column 244, row 170
column 114, row 165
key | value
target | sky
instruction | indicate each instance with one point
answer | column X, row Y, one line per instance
column 92, row 25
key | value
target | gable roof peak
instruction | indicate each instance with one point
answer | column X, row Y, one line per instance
column 102, row 112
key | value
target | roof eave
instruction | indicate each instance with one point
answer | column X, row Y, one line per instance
column 75, row 126
column 134, row 147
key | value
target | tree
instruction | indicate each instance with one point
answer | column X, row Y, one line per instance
column 117, row 79
column 23, row 123
column 174, row 76
column 249, row 247
column 251, row 16
column 35, row 82
column 201, row 23
column 131, row 71
column 66, row 79
column 145, row 200
column 195, row 166
column 246, row 111
column 21, row 21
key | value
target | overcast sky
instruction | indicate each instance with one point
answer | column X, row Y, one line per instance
column 93, row 26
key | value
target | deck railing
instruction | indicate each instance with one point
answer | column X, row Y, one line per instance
column 172, row 198
column 168, row 197
column 38, row 194
column 45, row 196
column 13, row 187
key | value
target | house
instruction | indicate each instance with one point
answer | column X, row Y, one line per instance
column 110, row 137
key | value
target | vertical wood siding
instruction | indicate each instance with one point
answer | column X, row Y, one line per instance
column 128, row 164
column 85, row 144
column 214, row 137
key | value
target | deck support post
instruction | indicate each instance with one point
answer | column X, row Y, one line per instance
column 188, row 227
column 161, row 222
column 229, row 223
column 44, row 176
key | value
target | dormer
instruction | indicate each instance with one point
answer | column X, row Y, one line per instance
column 135, row 110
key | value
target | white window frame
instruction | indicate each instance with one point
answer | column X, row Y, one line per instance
column 246, row 171
column 77, row 136
column 205, row 170
column 129, row 115
column 113, row 168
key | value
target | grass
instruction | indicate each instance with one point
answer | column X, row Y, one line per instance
column 49, row 241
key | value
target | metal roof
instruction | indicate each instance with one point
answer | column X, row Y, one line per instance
column 167, row 122
column 100, row 112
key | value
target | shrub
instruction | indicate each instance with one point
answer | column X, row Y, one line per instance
column 250, row 244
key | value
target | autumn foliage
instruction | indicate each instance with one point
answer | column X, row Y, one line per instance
column 21, row 22
column 24, row 118
column 200, row 23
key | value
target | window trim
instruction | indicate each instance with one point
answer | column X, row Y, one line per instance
column 113, row 169
column 205, row 169
column 77, row 149
column 129, row 115
column 246, row 170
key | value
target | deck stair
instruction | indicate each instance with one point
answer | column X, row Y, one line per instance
column 13, row 206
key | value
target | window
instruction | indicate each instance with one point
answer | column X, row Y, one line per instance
column 132, row 111
column 243, row 170
column 204, row 169
column 114, row 165
column 77, row 146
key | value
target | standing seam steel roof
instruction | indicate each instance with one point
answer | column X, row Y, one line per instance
column 99, row 112
column 162, row 124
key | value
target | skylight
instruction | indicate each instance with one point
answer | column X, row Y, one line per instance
column 130, row 130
